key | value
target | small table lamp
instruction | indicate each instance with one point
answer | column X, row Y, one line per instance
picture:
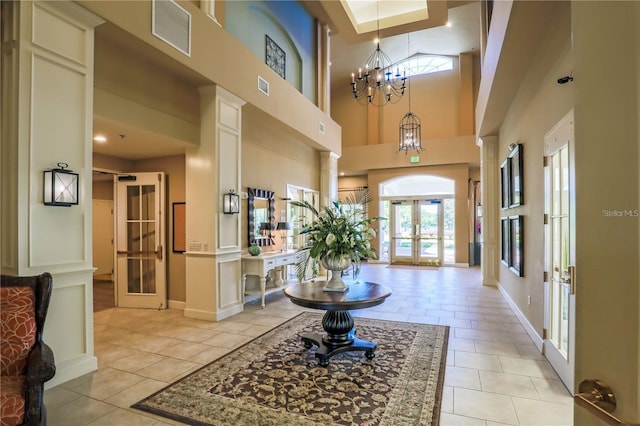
column 283, row 227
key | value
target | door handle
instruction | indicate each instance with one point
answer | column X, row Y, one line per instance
column 598, row 398
column 157, row 253
column 570, row 279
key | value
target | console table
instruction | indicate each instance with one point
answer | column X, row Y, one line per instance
column 260, row 265
column 337, row 321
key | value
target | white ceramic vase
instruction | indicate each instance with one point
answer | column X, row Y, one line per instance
column 336, row 265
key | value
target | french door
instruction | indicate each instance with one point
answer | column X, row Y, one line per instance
column 560, row 251
column 140, row 241
column 416, row 232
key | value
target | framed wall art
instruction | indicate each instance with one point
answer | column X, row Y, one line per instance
column 505, row 232
column 516, row 182
column 179, row 228
column 516, row 244
column 275, row 57
column 505, row 175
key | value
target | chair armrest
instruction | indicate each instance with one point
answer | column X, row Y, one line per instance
column 40, row 365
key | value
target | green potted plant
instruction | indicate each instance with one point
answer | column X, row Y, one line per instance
column 339, row 236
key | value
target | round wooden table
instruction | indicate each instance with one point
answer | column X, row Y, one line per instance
column 337, row 321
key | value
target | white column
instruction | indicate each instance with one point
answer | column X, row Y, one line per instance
column 489, row 184
column 47, row 116
column 213, row 267
column 328, row 177
column 324, row 68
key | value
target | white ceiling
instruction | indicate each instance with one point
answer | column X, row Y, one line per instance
column 348, row 53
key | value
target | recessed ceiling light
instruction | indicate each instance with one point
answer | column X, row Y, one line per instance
column 449, row 24
column 99, row 138
column 341, row 173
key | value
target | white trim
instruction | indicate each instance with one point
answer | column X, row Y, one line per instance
column 177, row 304
column 76, row 368
column 214, row 316
column 531, row 331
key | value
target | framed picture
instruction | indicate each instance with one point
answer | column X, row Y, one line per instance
column 275, row 57
column 516, row 183
column 516, row 244
column 505, row 176
column 179, row 230
column 504, row 237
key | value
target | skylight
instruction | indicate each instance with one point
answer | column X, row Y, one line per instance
column 421, row 63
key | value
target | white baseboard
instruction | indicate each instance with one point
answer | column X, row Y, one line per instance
column 531, row 331
column 177, row 304
column 214, row 316
column 73, row 370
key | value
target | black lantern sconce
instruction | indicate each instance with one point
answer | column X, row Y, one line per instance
column 231, row 202
column 60, row 186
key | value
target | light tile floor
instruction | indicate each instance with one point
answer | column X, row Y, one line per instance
column 494, row 376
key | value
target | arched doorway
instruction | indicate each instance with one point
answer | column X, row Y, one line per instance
column 421, row 226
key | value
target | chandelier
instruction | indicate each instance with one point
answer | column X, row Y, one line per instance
column 378, row 84
column 410, row 133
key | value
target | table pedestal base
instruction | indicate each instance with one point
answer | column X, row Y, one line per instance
column 340, row 338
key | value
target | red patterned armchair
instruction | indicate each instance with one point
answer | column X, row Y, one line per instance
column 26, row 362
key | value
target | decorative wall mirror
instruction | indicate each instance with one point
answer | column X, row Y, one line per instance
column 261, row 210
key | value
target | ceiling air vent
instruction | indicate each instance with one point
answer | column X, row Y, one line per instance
column 263, row 85
column 172, row 24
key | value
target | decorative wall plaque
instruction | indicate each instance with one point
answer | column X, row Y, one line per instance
column 275, row 56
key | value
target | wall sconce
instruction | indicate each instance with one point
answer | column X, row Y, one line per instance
column 60, row 187
column 231, row 202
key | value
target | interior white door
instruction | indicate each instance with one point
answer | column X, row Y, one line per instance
column 140, row 241
column 560, row 250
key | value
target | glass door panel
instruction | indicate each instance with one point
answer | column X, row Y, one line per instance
column 429, row 238
column 402, row 232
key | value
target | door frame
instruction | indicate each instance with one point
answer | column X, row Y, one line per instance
column 559, row 136
column 160, row 300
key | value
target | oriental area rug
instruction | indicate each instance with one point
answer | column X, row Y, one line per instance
column 275, row 380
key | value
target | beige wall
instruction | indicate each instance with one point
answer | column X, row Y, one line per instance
column 214, row 58
column 539, row 104
column 607, row 117
column 444, row 105
column 103, row 190
column 271, row 159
